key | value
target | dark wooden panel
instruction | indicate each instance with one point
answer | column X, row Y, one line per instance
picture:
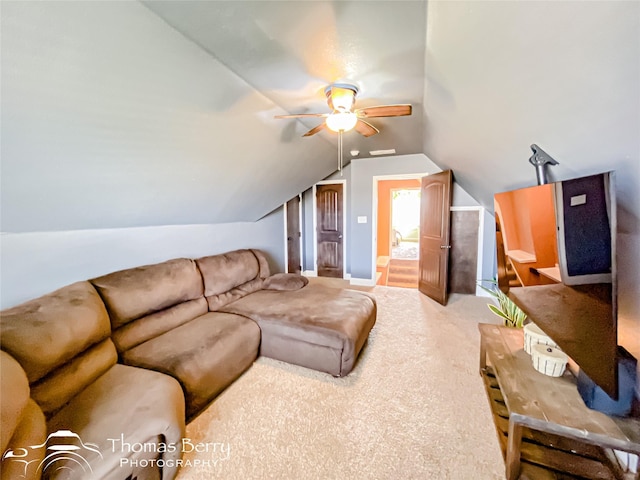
column 294, row 263
column 463, row 266
column 329, row 230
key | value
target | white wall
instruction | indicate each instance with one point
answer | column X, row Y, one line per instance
column 32, row 264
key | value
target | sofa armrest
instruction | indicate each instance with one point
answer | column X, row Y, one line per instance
column 20, row 461
column 23, row 423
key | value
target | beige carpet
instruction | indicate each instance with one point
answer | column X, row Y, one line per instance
column 413, row 408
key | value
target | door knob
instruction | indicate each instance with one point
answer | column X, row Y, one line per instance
column 339, row 236
column 445, row 246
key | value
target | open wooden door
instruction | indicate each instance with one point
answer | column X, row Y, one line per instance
column 329, row 230
column 435, row 225
column 294, row 263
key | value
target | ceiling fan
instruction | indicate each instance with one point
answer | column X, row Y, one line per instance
column 341, row 98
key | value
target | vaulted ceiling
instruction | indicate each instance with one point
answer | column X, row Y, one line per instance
column 290, row 51
column 122, row 114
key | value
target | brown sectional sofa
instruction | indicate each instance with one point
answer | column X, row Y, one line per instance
column 62, row 342
column 135, row 354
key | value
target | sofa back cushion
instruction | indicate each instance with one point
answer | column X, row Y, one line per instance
column 138, row 292
column 232, row 275
column 155, row 324
column 54, row 390
column 62, row 342
column 47, row 332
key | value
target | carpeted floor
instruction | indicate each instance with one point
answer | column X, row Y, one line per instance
column 413, row 408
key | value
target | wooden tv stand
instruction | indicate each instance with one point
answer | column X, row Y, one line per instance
column 545, row 429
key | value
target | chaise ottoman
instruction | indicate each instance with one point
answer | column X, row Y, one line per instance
column 315, row 326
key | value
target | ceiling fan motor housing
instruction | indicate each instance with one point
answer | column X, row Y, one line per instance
column 341, row 96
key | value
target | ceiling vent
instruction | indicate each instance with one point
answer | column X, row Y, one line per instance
column 390, row 151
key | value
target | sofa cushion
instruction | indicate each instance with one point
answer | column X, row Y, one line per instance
column 230, row 276
column 204, row 355
column 150, row 326
column 316, row 327
column 136, row 292
column 285, row 281
column 215, row 302
column 127, row 404
column 47, row 332
column 57, row 388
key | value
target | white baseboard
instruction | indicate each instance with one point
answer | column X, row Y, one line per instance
column 362, row 282
column 482, row 293
column 310, row 273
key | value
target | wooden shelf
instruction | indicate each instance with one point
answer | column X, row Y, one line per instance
column 542, row 421
column 580, row 320
column 551, row 272
column 521, row 256
column 545, row 456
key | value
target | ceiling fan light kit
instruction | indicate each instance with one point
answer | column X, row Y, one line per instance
column 343, row 121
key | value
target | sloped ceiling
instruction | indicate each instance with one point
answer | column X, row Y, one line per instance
column 118, row 114
column 290, row 51
column 131, row 114
column 501, row 76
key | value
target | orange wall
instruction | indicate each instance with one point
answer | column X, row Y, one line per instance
column 384, row 210
column 543, row 225
column 528, row 223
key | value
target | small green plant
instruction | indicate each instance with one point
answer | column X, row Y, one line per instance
column 506, row 309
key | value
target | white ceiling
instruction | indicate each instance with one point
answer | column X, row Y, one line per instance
column 131, row 114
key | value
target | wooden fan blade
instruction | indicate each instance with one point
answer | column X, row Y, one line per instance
column 302, row 115
column 315, row 130
column 384, row 111
column 365, row 128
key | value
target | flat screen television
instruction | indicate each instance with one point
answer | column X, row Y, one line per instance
column 556, row 259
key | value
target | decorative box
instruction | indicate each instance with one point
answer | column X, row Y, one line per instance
column 533, row 335
column 548, row 360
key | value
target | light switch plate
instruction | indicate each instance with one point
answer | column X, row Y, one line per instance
column 578, row 200
column 362, row 219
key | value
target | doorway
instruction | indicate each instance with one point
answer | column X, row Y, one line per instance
column 405, row 225
column 398, row 227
